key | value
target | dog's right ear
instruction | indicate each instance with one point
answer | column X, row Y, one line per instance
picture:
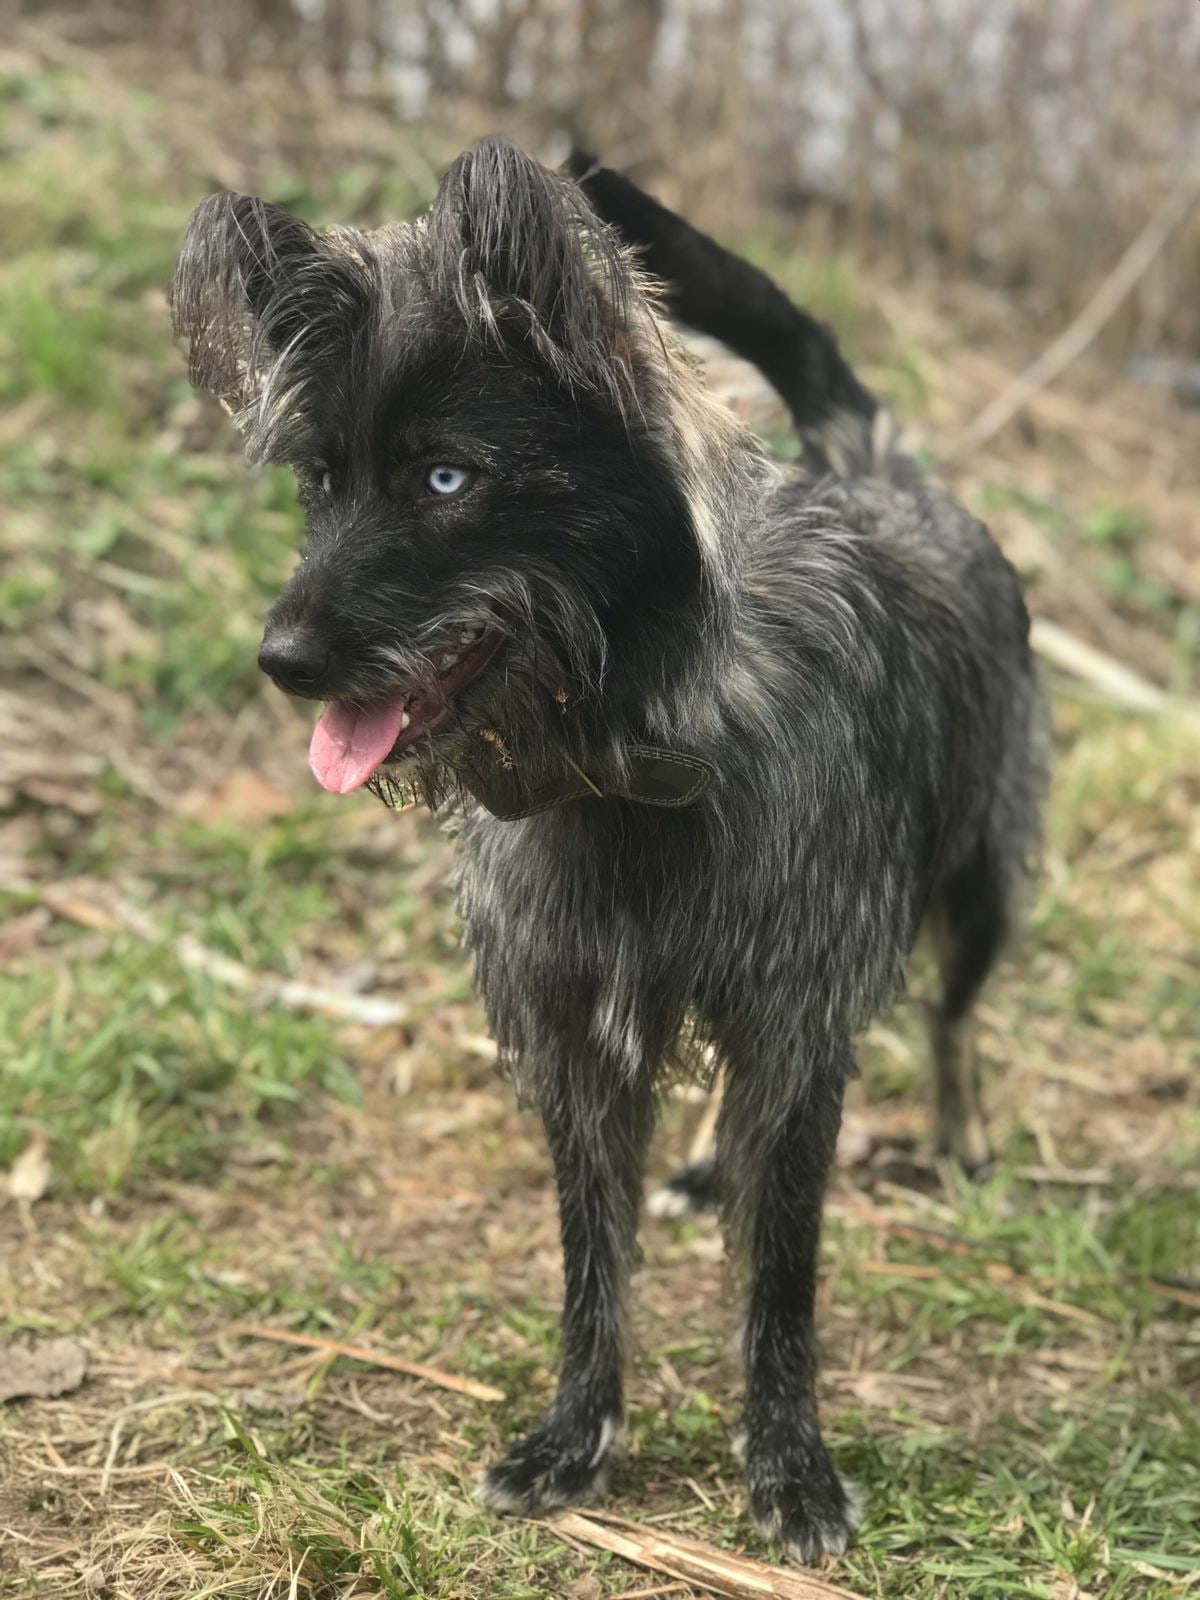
column 255, row 284
column 526, row 259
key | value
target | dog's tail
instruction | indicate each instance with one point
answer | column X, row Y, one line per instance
column 718, row 293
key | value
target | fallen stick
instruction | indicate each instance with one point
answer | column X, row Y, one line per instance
column 1079, row 1177
column 369, row 1010
column 110, row 913
column 375, row 1358
column 659, row 1588
column 1181, row 1295
column 1079, row 333
column 715, row 1572
column 999, row 1275
column 1111, row 677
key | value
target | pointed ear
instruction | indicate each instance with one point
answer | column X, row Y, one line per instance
column 519, row 249
column 253, row 285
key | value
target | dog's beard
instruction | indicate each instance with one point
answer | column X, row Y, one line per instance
column 442, row 773
column 520, row 717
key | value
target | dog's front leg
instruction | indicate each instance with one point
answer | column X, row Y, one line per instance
column 775, row 1158
column 597, row 1125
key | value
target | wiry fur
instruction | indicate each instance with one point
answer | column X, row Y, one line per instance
column 843, row 645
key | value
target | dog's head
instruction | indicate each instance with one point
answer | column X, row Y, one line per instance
column 510, row 476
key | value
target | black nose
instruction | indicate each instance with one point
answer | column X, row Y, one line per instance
column 296, row 659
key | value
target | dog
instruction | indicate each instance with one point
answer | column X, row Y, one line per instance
column 720, row 736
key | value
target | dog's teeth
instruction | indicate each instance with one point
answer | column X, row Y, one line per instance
column 405, row 719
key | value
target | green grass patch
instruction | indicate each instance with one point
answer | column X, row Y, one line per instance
column 1090, row 1493
column 138, row 1068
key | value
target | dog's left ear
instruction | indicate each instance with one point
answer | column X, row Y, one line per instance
column 520, row 249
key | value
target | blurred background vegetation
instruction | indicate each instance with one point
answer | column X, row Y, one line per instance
column 242, row 1077
column 1007, row 141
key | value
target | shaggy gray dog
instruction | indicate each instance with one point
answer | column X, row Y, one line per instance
column 724, row 735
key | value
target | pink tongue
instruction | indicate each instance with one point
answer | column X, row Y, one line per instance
column 348, row 745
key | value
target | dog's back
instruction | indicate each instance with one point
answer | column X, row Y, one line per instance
column 861, row 525
column 864, row 544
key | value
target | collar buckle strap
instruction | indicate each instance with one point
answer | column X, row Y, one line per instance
column 655, row 777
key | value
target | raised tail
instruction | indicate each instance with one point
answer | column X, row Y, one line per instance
column 718, row 293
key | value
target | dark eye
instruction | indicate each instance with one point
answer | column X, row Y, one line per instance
column 445, row 481
column 327, row 482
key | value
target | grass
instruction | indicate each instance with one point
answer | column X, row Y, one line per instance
column 1007, row 1365
column 140, row 1069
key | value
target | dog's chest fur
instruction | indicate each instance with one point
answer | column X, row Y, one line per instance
column 856, row 728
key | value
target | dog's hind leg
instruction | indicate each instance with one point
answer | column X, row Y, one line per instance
column 692, row 1188
column 597, row 1125
column 969, row 922
column 775, row 1158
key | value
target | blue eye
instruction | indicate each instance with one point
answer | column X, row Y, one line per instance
column 445, row 481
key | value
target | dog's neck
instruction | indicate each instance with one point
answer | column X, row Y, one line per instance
column 656, row 727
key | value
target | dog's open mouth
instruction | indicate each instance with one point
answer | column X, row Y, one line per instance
column 351, row 742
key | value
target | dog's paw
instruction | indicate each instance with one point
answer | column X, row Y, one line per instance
column 967, row 1147
column 690, row 1190
column 552, row 1466
column 802, row 1504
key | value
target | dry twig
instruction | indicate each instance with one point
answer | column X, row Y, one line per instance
column 111, row 913
column 716, row 1572
column 1110, row 677
column 1075, row 338
column 376, row 1358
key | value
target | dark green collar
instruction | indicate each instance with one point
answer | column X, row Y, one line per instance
column 653, row 777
